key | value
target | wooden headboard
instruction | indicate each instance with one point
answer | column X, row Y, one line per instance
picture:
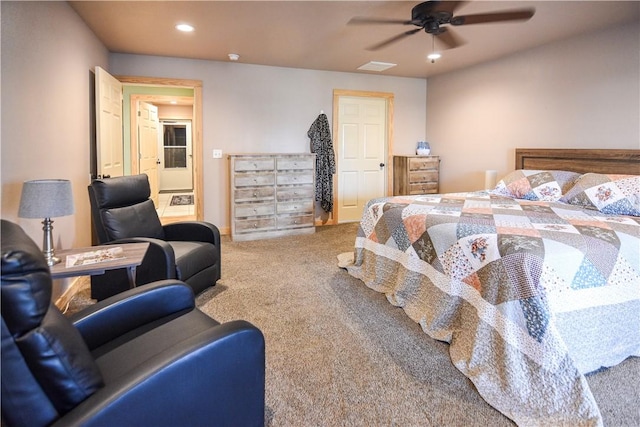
column 614, row 161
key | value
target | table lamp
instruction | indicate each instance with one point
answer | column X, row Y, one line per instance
column 46, row 198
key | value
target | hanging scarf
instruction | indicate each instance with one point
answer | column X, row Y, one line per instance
column 320, row 136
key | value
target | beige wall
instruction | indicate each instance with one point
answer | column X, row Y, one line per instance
column 253, row 108
column 579, row 93
column 47, row 56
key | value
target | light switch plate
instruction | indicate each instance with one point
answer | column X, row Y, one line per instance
column 217, row 154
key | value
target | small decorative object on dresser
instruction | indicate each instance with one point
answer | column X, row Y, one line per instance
column 423, row 148
column 272, row 195
column 415, row 175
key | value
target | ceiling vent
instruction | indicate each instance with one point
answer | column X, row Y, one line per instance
column 376, row 66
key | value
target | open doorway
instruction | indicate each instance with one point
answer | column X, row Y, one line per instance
column 184, row 108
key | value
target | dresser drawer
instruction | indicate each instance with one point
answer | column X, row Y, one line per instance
column 301, row 192
column 295, row 207
column 254, row 209
column 251, row 225
column 255, row 164
column 293, row 163
column 288, row 178
column 295, row 221
column 254, row 194
column 423, row 164
column 253, row 179
column 423, row 188
column 423, row 176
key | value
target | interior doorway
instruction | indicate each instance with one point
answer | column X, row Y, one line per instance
column 363, row 130
column 194, row 104
column 175, row 154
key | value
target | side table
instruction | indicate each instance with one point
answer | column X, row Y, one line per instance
column 133, row 255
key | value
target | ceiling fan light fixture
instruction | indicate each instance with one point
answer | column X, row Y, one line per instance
column 376, row 66
column 433, row 56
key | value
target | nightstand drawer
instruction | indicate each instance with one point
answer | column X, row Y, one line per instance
column 423, row 164
column 423, row 188
column 423, row 176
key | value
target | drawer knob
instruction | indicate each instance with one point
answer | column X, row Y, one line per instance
column 255, row 225
column 255, row 194
column 295, row 222
column 255, row 210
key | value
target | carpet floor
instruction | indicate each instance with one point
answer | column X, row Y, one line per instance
column 338, row 354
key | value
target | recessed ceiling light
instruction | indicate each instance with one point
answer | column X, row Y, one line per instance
column 184, row 28
column 376, row 66
column 234, row 56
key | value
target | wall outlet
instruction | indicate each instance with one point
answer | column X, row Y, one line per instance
column 217, row 154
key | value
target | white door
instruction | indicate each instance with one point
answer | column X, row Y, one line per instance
column 109, row 140
column 148, row 126
column 362, row 127
column 176, row 157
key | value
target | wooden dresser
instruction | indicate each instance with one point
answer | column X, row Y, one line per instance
column 415, row 175
column 272, row 195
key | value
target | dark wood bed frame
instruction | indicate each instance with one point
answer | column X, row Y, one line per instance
column 613, row 161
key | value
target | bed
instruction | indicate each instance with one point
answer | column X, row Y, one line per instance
column 533, row 284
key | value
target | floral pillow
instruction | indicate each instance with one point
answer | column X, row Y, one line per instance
column 528, row 184
column 609, row 194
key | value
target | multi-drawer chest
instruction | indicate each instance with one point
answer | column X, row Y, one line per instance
column 272, row 195
column 415, row 175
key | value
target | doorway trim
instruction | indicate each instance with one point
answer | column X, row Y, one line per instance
column 196, row 85
column 388, row 97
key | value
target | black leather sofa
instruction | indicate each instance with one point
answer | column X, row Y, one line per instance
column 145, row 357
column 123, row 213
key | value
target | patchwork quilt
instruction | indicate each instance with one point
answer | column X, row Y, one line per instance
column 530, row 294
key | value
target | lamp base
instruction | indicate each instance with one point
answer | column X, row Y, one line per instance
column 51, row 261
column 47, row 243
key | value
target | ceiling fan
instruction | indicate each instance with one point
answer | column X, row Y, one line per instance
column 430, row 16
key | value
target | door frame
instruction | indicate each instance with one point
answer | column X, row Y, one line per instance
column 196, row 128
column 388, row 97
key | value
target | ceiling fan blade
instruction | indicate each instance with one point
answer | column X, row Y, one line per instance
column 366, row 21
column 483, row 18
column 393, row 39
column 449, row 38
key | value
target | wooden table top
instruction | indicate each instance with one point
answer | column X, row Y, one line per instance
column 133, row 255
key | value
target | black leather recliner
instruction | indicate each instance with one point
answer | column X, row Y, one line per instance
column 145, row 357
column 123, row 213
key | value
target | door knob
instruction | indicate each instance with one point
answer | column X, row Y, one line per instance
column 381, row 165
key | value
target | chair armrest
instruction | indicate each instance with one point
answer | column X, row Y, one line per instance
column 126, row 311
column 216, row 377
column 158, row 263
column 195, row 231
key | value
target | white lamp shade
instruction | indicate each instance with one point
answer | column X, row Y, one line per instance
column 490, row 179
column 46, row 198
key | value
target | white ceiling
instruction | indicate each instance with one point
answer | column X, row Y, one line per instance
column 315, row 34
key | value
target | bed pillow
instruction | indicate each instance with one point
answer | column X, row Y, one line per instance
column 609, row 194
column 529, row 184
